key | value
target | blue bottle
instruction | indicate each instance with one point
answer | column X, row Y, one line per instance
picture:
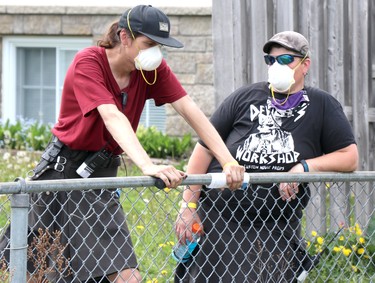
column 183, row 252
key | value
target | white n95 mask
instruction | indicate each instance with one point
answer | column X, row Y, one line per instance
column 281, row 77
column 149, row 59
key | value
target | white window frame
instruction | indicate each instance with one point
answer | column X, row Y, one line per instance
column 10, row 45
column 9, row 71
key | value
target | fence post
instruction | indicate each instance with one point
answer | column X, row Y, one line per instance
column 316, row 210
column 18, row 237
column 363, row 206
column 339, row 205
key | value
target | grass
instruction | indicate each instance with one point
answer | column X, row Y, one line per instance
column 151, row 214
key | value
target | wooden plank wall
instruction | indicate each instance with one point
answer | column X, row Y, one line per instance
column 341, row 36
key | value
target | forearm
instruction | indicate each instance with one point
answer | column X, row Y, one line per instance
column 122, row 132
column 198, row 164
column 343, row 160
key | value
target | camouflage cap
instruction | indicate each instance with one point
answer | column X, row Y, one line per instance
column 290, row 40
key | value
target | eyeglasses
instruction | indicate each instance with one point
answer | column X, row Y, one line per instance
column 283, row 59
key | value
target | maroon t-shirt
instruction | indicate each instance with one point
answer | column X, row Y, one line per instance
column 89, row 83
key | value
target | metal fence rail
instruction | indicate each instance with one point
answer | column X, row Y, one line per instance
column 337, row 200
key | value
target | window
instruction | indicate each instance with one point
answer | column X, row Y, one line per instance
column 33, row 75
column 153, row 116
column 35, row 83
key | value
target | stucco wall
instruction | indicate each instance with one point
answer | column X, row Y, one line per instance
column 192, row 64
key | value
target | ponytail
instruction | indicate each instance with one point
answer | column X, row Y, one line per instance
column 111, row 38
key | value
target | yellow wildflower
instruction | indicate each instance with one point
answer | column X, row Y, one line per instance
column 308, row 243
column 342, row 238
column 167, row 190
column 354, row 247
column 162, row 245
column 346, row 252
column 361, row 251
column 314, row 233
column 361, row 240
column 336, row 249
column 140, row 227
column 164, row 272
column 354, row 268
column 320, row 240
column 358, row 229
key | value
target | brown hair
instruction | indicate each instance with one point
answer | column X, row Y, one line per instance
column 111, row 37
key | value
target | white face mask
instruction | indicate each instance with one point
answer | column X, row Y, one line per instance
column 149, row 59
column 281, row 77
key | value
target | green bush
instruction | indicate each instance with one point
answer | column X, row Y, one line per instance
column 159, row 145
column 33, row 136
column 24, row 135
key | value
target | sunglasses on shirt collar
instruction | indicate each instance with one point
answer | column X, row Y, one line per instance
column 283, row 59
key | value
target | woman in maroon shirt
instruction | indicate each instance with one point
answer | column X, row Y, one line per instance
column 102, row 100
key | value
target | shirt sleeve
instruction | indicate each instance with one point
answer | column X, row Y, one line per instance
column 167, row 88
column 337, row 132
column 89, row 84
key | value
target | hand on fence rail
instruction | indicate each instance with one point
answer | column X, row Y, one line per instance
column 233, row 174
column 168, row 174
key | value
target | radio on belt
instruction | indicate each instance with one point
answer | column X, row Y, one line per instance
column 92, row 162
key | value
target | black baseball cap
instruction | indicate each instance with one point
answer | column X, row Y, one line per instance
column 151, row 22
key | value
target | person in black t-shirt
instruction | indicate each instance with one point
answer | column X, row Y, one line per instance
column 253, row 235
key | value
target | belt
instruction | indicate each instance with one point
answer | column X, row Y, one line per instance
column 79, row 156
column 58, row 156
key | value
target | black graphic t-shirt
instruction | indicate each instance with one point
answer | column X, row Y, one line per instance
column 264, row 138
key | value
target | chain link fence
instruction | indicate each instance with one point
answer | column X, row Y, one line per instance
column 338, row 222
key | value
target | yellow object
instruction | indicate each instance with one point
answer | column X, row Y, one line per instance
column 361, row 251
column 189, row 205
column 230, row 163
column 320, row 240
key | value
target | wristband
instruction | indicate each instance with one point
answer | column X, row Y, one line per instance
column 230, row 163
column 189, row 205
column 305, row 165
